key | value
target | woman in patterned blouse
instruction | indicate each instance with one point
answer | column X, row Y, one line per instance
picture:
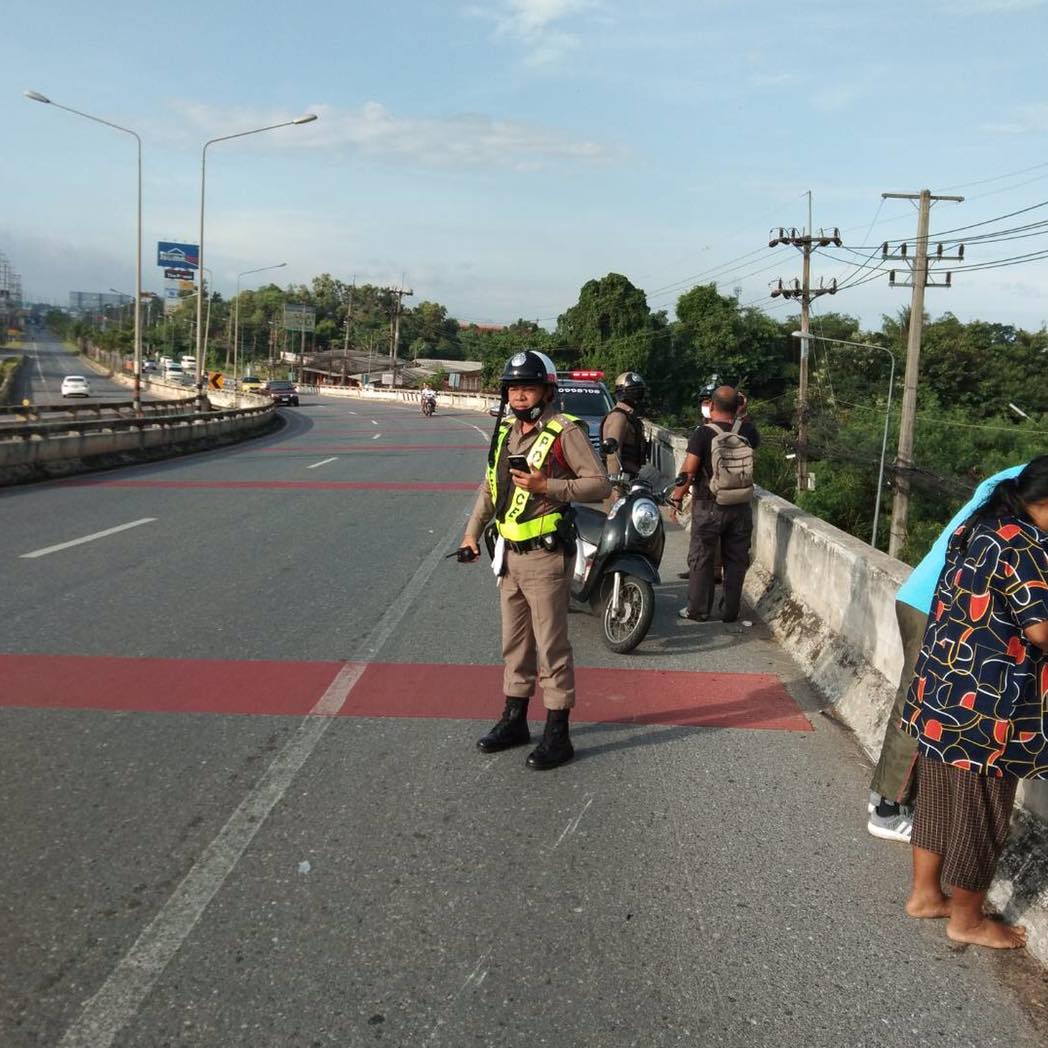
column 978, row 705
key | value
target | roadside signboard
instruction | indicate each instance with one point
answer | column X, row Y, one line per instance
column 216, row 380
column 178, row 256
column 299, row 318
column 179, row 274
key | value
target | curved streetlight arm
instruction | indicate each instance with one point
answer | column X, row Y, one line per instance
column 35, row 96
column 887, row 414
column 306, row 119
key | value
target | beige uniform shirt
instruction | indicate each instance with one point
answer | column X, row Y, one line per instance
column 589, row 482
column 617, row 425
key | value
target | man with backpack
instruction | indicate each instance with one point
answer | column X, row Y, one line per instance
column 719, row 470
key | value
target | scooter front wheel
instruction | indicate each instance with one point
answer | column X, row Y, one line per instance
column 624, row 629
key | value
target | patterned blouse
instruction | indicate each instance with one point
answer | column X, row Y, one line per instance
column 979, row 696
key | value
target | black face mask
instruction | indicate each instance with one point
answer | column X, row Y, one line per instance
column 529, row 414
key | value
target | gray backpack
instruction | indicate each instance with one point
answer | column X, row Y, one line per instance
column 731, row 465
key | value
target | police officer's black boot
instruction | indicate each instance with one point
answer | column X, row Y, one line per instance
column 510, row 730
column 555, row 748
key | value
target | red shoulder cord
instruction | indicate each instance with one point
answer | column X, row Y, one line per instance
column 556, row 453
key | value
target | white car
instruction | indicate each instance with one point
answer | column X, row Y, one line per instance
column 75, row 386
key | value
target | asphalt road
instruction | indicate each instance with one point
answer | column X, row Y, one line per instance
column 242, row 804
column 48, row 361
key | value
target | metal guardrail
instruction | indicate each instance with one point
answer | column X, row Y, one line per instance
column 58, row 427
column 17, row 414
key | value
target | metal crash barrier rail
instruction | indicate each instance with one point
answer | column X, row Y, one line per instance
column 13, row 415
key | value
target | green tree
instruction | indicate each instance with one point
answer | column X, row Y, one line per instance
column 610, row 327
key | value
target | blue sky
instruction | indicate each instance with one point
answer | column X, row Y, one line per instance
column 498, row 154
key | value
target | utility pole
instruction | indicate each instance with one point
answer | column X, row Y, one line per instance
column 394, row 326
column 919, row 281
column 805, row 242
column 349, row 319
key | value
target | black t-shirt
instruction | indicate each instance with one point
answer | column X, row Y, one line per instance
column 699, row 444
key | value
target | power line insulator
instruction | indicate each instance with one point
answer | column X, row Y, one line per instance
column 960, row 252
column 902, row 250
column 891, row 278
column 884, row 249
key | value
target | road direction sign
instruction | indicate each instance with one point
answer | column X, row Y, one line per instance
column 216, row 380
column 299, row 318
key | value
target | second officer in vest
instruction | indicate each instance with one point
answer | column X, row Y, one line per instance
column 529, row 511
column 623, row 423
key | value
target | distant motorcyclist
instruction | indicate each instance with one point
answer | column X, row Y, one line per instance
column 428, row 399
column 623, row 424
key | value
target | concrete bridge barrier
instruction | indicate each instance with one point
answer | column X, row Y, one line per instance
column 830, row 599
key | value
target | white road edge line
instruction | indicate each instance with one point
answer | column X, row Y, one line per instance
column 87, row 538
column 373, row 422
column 376, row 436
column 323, row 462
column 116, row 1003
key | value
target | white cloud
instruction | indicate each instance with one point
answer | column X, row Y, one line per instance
column 537, row 24
column 832, row 99
column 986, row 7
column 458, row 141
column 1027, row 119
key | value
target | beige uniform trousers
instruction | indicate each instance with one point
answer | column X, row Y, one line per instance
column 534, row 594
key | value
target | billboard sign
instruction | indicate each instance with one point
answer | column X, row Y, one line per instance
column 299, row 318
column 180, row 256
column 179, row 274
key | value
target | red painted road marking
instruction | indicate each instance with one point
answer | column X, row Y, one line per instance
column 326, row 432
column 722, row 700
column 411, row 690
column 286, row 485
column 86, row 682
column 304, row 449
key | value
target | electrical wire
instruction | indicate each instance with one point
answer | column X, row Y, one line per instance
column 996, row 178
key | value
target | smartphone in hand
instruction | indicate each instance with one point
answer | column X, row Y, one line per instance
column 519, row 463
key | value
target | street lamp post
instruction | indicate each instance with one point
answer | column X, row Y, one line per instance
column 887, row 414
column 35, row 96
column 307, row 118
column 207, row 316
column 236, row 318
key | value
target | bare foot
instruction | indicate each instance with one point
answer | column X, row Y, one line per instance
column 988, row 932
column 928, row 905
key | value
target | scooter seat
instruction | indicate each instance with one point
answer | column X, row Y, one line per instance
column 589, row 523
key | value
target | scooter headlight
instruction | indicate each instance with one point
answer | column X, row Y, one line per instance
column 645, row 517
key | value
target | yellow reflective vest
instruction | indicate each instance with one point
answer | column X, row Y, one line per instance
column 511, row 527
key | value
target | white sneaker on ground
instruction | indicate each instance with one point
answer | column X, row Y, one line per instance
column 892, row 827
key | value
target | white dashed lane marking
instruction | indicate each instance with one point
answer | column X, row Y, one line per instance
column 86, row 538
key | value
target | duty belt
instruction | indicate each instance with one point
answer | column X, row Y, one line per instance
column 546, row 542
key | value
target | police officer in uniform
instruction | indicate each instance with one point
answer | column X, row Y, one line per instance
column 528, row 509
column 623, row 423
